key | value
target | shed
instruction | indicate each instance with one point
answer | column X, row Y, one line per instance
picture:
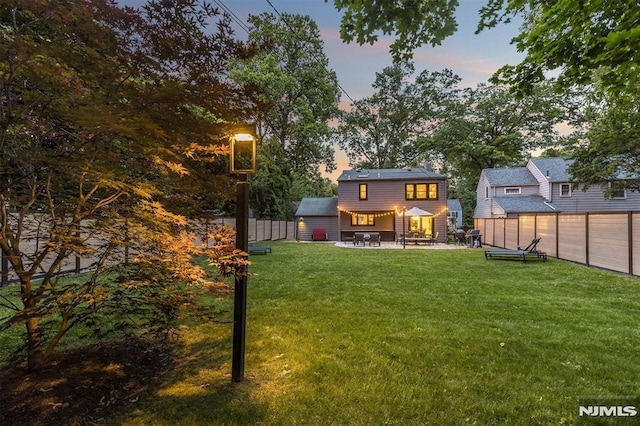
column 316, row 213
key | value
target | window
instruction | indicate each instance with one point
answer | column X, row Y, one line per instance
column 363, row 191
column 512, row 191
column 486, row 192
column 362, row 220
column 421, row 191
column 565, row 190
column 617, row 193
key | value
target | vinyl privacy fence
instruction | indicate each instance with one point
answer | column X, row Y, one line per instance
column 604, row 240
column 259, row 230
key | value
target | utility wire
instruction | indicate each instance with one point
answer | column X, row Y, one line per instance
column 233, row 15
column 314, row 57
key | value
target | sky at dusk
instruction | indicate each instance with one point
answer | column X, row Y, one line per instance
column 472, row 57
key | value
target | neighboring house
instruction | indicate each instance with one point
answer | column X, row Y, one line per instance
column 543, row 186
column 374, row 200
column 454, row 213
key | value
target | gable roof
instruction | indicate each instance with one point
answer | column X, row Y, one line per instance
column 555, row 169
column 454, row 204
column 524, row 204
column 389, row 174
column 510, row 177
column 318, row 207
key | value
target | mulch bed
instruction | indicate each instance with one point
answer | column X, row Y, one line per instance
column 83, row 387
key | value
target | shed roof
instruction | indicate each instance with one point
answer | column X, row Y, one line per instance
column 389, row 174
column 318, row 207
column 524, row 204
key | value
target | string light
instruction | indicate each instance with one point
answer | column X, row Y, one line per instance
column 391, row 213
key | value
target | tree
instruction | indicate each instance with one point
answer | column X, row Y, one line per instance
column 414, row 22
column 98, row 108
column 294, row 92
column 576, row 38
column 490, row 127
column 380, row 131
column 610, row 148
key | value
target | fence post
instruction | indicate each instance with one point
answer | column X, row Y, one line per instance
column 630, row 239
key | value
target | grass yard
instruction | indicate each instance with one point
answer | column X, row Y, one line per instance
column 364, row 337
column 371, row 337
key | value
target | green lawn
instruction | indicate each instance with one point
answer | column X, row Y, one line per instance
column 353, row 336
column 372, row 337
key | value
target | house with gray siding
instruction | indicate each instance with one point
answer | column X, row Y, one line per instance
column 454, row 213
column 376, row 201
column 544, row 186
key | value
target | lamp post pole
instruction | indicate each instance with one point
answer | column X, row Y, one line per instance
column 243, row 161
column 240, row 291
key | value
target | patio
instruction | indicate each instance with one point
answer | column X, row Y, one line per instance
column 394, row 245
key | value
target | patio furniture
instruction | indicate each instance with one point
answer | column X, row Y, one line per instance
column 433, row 239
column 474, row 238
column 358, row 238
column 259, row 249
column 374, row 238
column 518, row 254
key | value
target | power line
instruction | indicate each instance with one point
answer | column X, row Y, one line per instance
column 233, row 15
column 314, row 57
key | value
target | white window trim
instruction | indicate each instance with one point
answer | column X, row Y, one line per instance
column 519, row 189
column 567, row 195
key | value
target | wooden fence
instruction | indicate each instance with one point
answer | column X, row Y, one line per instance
column 259, row 230
column 604, row 240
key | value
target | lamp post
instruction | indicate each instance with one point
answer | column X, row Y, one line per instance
column 243, row 161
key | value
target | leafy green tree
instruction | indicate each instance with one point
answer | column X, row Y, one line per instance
column 295, row 96
column 414, row 22
column 99, row 106
column 490, row 127
column 576, row 38
column 381, row 131
column 610, row 148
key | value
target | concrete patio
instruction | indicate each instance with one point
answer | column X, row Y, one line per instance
column 394, row 245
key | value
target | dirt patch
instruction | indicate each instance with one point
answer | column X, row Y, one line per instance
column 83, row 387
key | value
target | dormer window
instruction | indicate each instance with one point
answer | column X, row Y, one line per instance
column 514, row 190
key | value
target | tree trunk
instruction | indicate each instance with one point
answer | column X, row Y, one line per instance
column 34, row 341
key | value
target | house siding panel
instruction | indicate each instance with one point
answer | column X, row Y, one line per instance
column 572, row 238
column 483, row 207
column 305, row 228
column 386, row 196
column 593, row 200
column 545, row 186
column 608, row 238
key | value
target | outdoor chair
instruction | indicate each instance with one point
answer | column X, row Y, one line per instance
column 374, row 238
column 518, row 254
column 434, row 239
column 358, row 238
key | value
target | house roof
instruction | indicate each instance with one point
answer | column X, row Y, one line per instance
column 389, row 174
column 554, row 168
column 454, row 204
column 524, row 204
column 510, row 177
column 318, row 207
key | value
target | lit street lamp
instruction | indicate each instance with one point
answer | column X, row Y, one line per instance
column 243, row 161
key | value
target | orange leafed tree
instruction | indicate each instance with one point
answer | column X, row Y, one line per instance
column 112, row 140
